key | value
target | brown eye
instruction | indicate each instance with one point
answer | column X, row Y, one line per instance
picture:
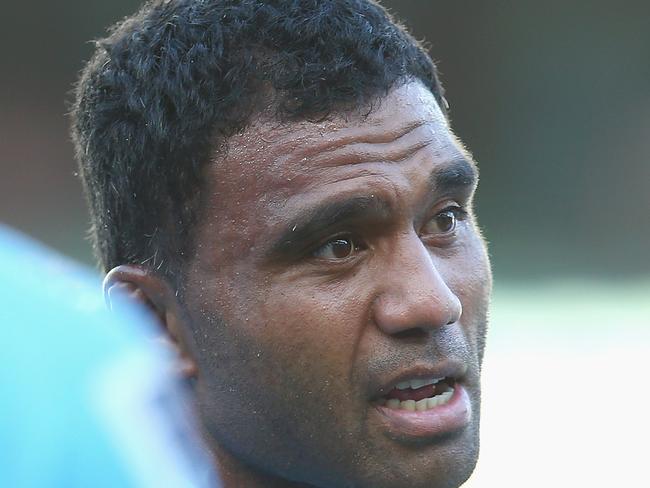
column 339, row 248
column 446, row 221
column 443, row 223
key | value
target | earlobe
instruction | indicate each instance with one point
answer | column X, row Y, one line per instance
column 140, row 285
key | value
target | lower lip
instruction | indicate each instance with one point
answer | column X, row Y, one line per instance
column 442, row 419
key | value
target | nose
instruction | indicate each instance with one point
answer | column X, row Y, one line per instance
column 414, row 294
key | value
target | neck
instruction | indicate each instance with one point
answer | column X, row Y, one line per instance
column 234, row 473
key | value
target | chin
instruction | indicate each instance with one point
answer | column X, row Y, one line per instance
column 446, row 462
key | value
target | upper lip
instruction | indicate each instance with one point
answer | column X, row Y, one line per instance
column 447, row 368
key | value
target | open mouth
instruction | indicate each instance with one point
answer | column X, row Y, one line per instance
column 419, row 394
column 425, row 401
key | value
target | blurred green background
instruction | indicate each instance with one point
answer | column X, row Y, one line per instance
column 553, row 99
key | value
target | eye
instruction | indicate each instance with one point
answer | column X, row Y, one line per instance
column 444, row 222
column 338, row 248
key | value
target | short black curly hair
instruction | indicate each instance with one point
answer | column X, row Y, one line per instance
column 177, row 79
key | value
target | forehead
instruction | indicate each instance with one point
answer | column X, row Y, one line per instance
column 270, row 152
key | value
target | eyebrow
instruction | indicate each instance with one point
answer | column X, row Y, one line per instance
column 458, row 175
column 316, row 223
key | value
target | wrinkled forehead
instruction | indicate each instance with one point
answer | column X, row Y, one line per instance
column 269, row 154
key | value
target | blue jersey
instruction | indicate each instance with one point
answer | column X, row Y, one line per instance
column 86, row 398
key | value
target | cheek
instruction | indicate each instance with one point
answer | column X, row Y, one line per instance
column 315, row 326
column 468, row 275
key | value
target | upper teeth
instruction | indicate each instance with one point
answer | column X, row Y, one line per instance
column 415, row 384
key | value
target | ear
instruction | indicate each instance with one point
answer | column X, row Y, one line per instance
column 141, row 285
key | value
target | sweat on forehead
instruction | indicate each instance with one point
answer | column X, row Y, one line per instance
column 347, row 138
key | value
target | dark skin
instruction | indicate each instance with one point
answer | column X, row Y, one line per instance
column 331, row 257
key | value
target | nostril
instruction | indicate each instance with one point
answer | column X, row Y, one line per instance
column 414, row 333
column 402, row 315
column 455, row 311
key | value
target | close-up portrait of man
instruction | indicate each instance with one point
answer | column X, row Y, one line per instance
column 244, row 244
column 279, row 183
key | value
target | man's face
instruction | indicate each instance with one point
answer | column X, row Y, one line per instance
column 337, row 261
